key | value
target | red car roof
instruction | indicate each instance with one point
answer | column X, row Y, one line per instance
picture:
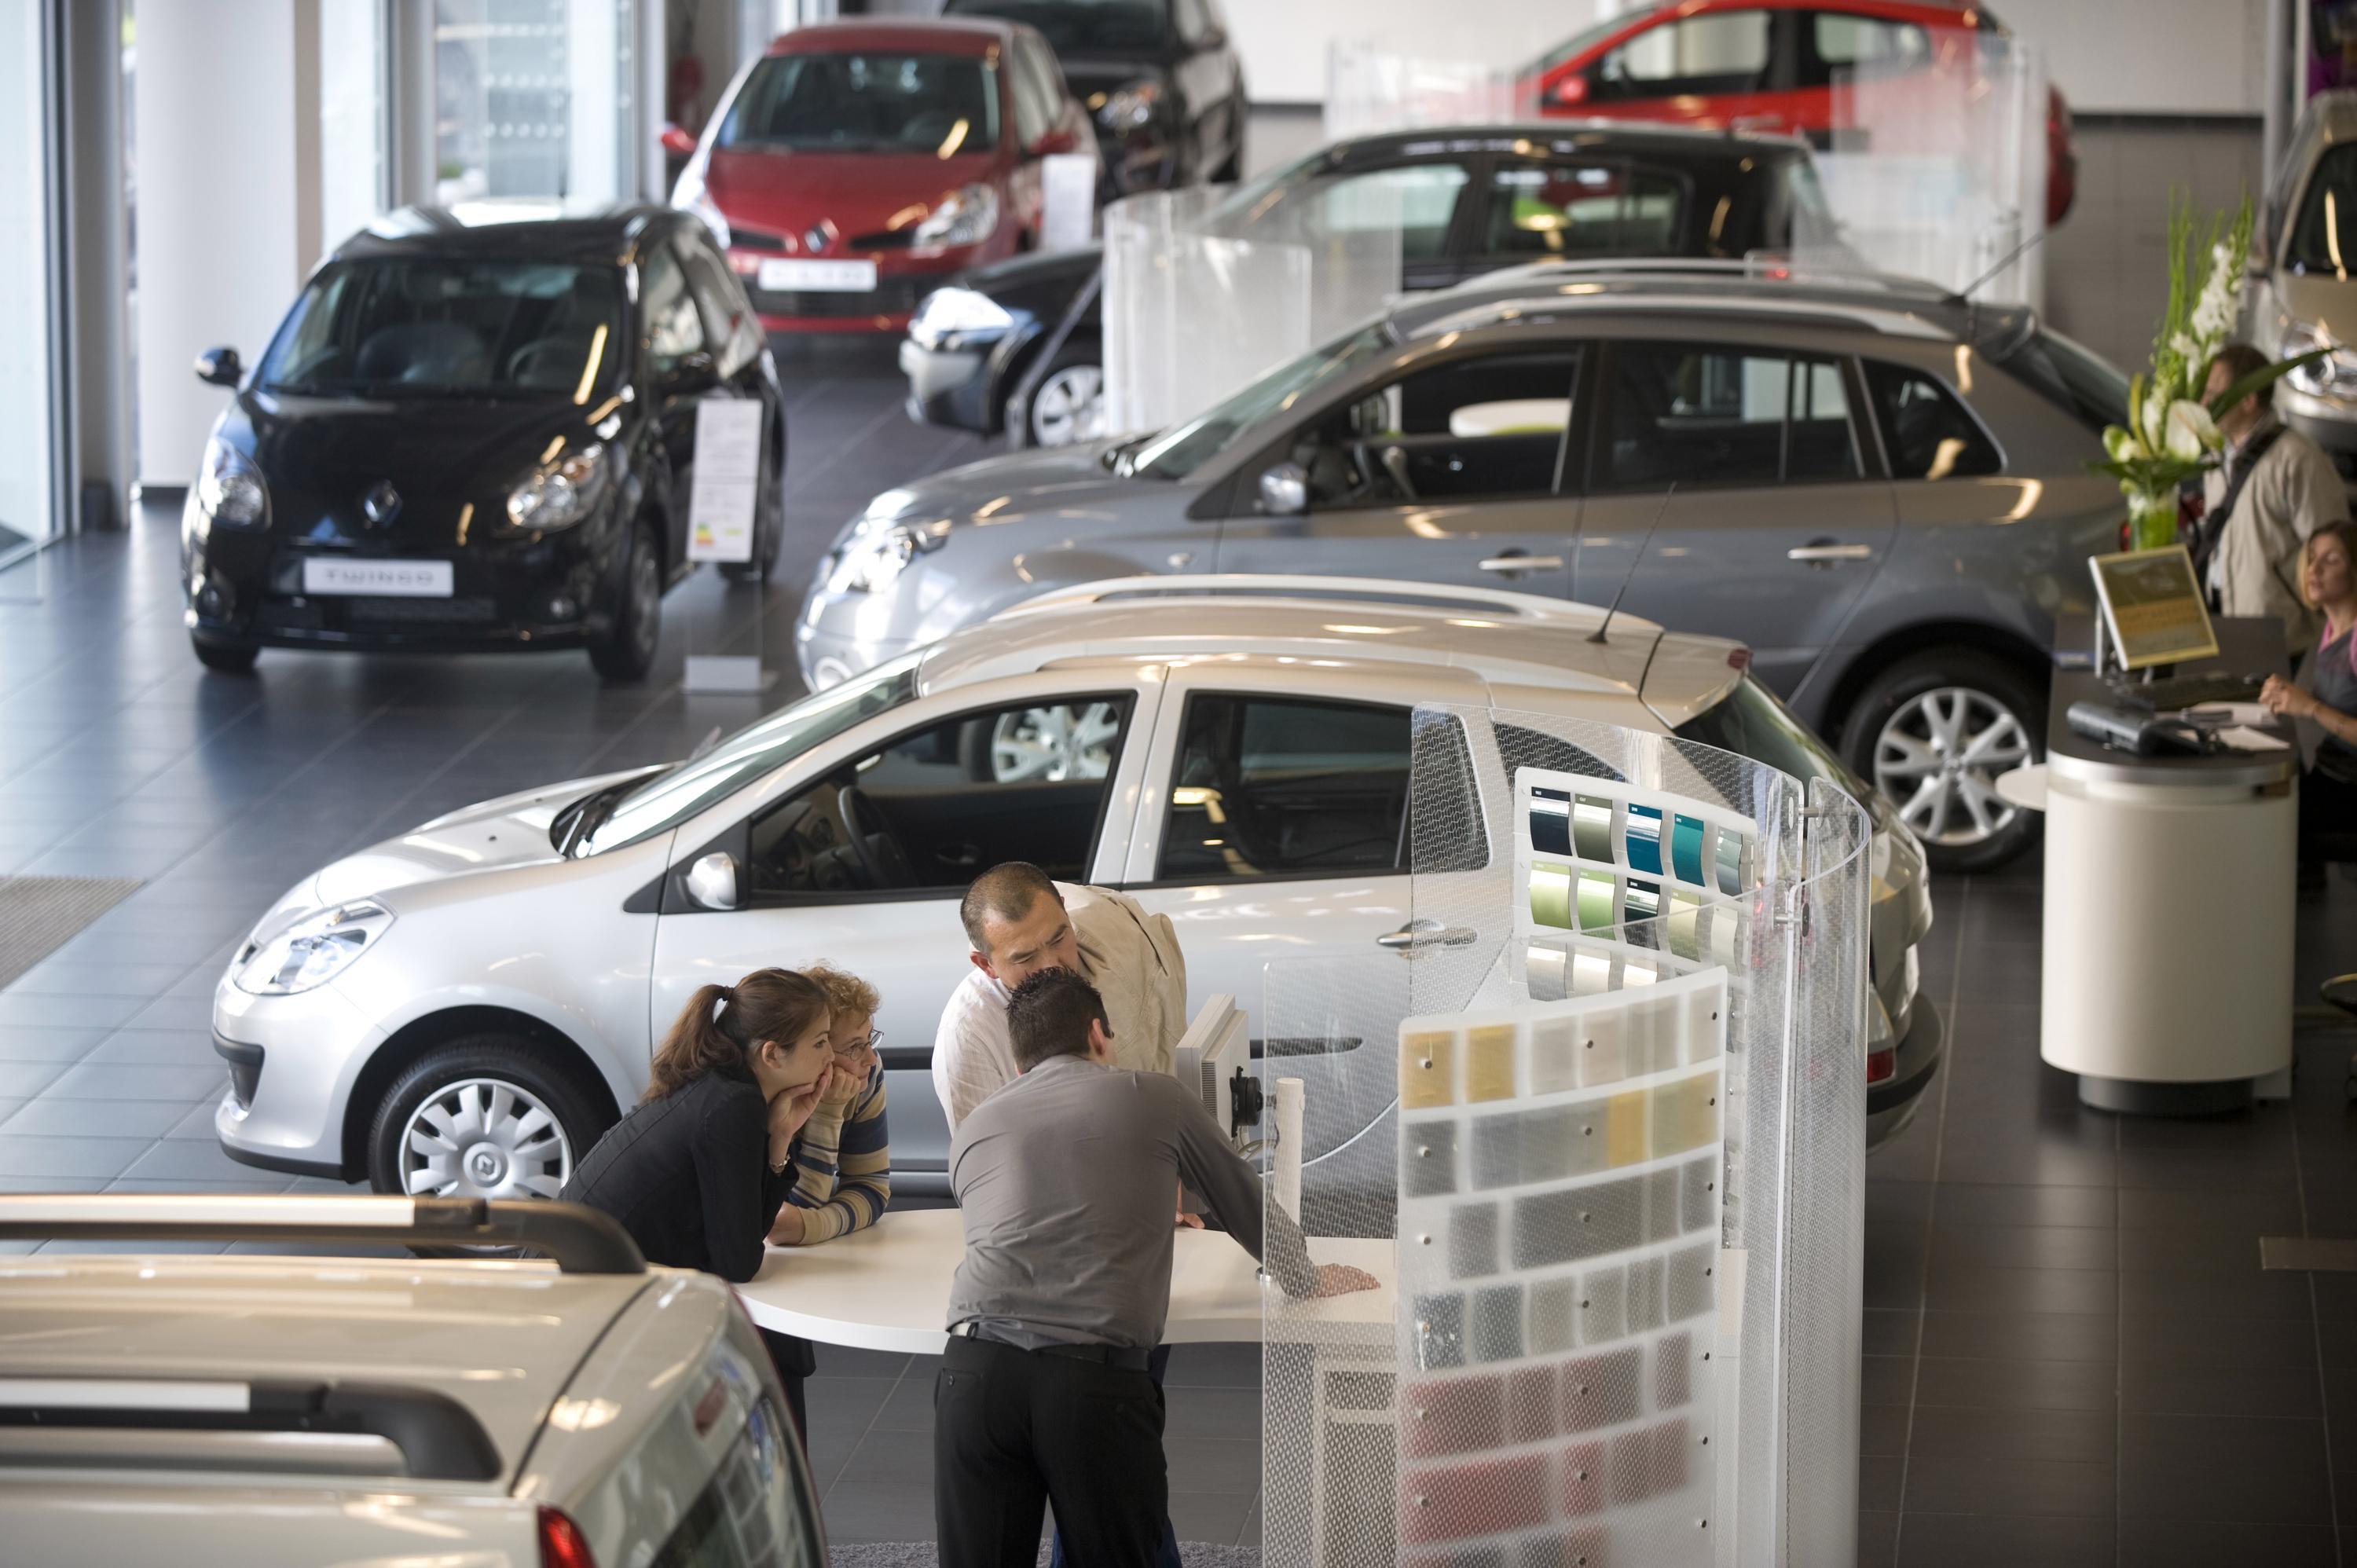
column 942, row 35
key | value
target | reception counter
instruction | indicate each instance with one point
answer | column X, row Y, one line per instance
column 2166, row 982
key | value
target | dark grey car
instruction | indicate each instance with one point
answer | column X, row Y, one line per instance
column 1881, row 490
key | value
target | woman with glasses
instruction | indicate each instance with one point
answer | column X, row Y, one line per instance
column 843, row 1159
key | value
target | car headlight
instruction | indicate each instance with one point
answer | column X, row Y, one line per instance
column 561, row 493
column 311, row 951
column 872, row 561
column 2335, row 375
column 230, row 489
column 1132, row 107
column 690, row 196
column 964, row 217
column 956, row 312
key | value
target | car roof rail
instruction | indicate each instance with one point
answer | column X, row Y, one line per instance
column 208, row 1423
column 1273, row 585
column 582, row 1240
column 1767, row 266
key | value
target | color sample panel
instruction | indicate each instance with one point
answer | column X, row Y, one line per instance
column 1551, row 821
column 1686, row 849
column 1551, row 896
column 1645, row 839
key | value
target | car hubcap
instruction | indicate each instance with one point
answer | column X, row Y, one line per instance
column 1068, row 406
column 1937, row 760
column 1049, row 744
column 484, row 1137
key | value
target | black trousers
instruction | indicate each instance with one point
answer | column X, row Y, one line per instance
column 794, row 1360
column 1014, row 1430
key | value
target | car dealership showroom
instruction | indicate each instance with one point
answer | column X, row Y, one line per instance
column 1310, row 783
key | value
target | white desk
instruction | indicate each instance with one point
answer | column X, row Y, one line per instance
column 887, row 1288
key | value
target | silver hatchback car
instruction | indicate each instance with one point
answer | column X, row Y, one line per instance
column 1882, row 490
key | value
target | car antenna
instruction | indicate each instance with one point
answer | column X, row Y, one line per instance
column 1963, row 296
column 1604, row 625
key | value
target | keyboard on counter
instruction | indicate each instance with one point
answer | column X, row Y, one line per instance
column 2178, row 691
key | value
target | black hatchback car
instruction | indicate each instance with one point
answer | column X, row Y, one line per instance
column 1018, row 344
column 477, row 433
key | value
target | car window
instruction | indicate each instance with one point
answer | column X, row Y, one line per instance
column 1046, row 78
column 1180, row 451
column 1419, row 200
column 2325, row 238
column 1490, row 427
column 1717, row 52
column 673, row 330
column 2071, row 376
column 1585, row 207
column 1719, row 416
column 1842, row 42
column 1279, row 787
column 728, row 322
column 1927, row 434
column 1193, row 21
column 1081, row 27
column 744, row 1517
column 1035, row 110
column 929, row 810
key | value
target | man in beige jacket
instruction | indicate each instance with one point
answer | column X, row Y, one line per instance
column 2275, row 487
column 1020, row 922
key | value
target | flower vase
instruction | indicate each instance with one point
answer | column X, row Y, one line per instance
column 2152, row 521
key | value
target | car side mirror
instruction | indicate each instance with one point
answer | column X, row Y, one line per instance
column 677, row 140
column 691, row 373
column 1571, row 91
column 220, row 367
column 1285, row 490
column 1055, row 141
column 712, row 881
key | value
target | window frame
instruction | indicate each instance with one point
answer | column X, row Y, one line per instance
column 1477, row 230
column 660, row 365
column 1775, row 70
column 1866, row 444
column 1816, row 71
column 738, row 840
column 1947, row 389
column 1027, row 95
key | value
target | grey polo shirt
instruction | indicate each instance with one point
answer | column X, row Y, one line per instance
column 1066, row 1178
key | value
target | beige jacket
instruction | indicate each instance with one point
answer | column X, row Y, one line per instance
column 2294, row 491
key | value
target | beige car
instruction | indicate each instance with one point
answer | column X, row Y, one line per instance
column 161, row 1406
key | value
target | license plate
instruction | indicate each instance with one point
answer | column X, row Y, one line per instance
column 385, row 579
column 780, row 275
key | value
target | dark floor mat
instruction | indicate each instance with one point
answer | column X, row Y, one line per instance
column 39, row 915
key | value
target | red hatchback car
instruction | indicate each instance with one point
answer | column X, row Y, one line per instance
column 1769, row 65
column 858, row 164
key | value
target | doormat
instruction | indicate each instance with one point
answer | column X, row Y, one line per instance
column 920, row 1554
column 39, row 915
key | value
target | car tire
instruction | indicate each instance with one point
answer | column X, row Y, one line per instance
column 769, row 530
column 1909, row 721
column 628, row 651
column 1067, row 404
column 534, row 1116
column 225, row 658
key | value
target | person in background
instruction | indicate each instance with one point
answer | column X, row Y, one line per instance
column 2327, row 690
column 699, row 1168
column 1062, row 1179
column 843, row 1161
column 2275, row 487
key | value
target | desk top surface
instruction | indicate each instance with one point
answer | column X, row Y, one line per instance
column 887, row 1288
column 2247, row 645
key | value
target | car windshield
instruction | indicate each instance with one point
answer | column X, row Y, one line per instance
column 874, row 101
column 2074, row 377
column 2325, row 238
column 668, row 799
column 1076, row 27
column 389, row 326
column 1179, row 452
column 1750, row 721
column 1579, row 43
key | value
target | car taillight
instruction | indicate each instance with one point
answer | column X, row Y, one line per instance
column 1739, row 659
column 1881, row 1063
column 561, row 1544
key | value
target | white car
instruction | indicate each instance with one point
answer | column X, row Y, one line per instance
column 164, row 1407
column 461, row 1010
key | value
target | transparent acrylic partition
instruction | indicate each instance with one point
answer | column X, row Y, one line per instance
column 1370, row 88
column 1605, row 1091
column 1937, row 165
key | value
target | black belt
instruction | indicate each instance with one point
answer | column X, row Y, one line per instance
column 1121, row 1356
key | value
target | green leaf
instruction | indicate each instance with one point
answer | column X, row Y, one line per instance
column 2261, row 379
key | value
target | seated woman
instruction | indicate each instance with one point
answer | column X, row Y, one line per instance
column 2327, row 692
column 698, row 1170
column 842, row 1160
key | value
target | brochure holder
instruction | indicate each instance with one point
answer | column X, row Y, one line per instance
column 724, row 507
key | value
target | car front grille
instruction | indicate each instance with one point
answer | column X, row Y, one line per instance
column 891, row 297
column 364, row 613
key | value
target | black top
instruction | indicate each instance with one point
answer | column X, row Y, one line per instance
column 689, row 1177
column 2335, row 682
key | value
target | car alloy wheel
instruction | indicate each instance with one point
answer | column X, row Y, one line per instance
column 484, row 1137
column 1937, row 760
column 1048, row 746
column 1069, row 406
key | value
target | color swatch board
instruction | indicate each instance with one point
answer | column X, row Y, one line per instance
column 1593, row 854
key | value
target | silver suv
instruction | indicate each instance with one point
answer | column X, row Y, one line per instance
column 1878, row 487
column 260, row 1409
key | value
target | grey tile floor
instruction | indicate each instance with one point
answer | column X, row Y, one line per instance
column 2071, row 1356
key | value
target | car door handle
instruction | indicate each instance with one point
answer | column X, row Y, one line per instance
column 1830, row 552
column 1427, row 934
column 1520, row 564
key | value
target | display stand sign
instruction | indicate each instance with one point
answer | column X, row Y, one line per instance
column 723, row 502
column 1068, row 201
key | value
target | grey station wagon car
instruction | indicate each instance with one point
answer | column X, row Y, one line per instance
column 1878, row 487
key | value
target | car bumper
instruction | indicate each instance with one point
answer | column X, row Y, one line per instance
column 949, row 386
column 293, row 1062
column 1891, row 1104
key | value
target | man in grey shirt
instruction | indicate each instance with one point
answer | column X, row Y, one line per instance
column 1064, row 1178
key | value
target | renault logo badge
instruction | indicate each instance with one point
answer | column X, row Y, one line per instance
column 815, row 238
column 381, row 503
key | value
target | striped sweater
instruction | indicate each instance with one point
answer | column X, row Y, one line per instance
column 843, row 1165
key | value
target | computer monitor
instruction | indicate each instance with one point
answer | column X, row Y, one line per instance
column 2152, row 606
